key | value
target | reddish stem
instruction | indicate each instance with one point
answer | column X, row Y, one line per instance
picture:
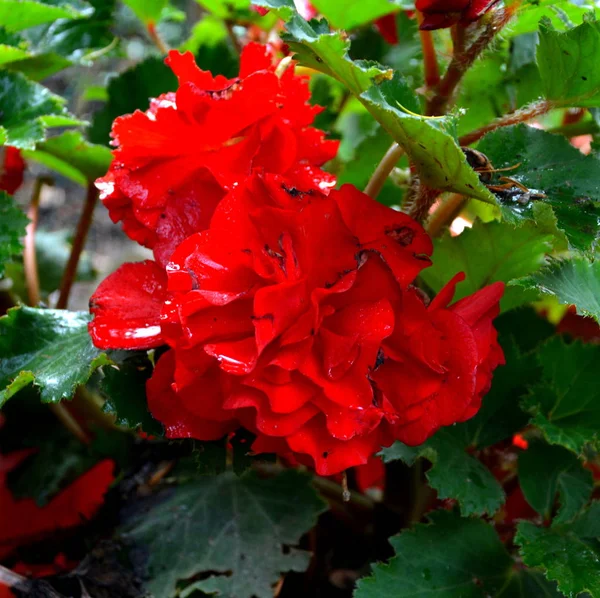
column 430, row 62
column 156, row 38
column 83, row 227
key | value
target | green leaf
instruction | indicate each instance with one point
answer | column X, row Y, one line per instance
column 353, row 13
column 16, row 15
column 124, row 388
column 566, row 403
column 131, row 91
column 12, row 229
column 47, row 347
column 147, row 11
column 572, row 282
column 547, row 470
column 526, row 583
column 227, row 9
column 568, row 63
column 454, row 473
column 561, row 15
column 429, row 142
column 487, row 253
column 549, row 164
column 450, row 557
column 565, row 557
column 27, row 109
column 233, row 529
column 72, row 156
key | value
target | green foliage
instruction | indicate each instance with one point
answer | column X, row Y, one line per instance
column 566, row 554
column 48, row 348
column 450, row 557
column 348, row 15
column 572, row 282
column 147, row 11
column 487, row 253
column 549, row 164
column 72, row 156
column 124, row 388
column 454, row 472
column 568, row 63
column 546, row 470
column 566, row 403
column 27, row 110
column 232, row 528
column 16, row 15
column 12, row 229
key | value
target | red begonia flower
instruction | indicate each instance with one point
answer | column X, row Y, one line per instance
column 175, row 162
column 13, row 167
column 23, row 521
column 439, row 14
column 388, row 28
column 324, row 349
column 581, row 327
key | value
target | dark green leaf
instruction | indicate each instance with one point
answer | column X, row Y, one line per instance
column 72, row 156
column 16, row 15
column 527, row 583
column 547, row 470
column 572, row 282
column 451, row 557
column 454, row 472
column 12, row 229
column 568, row 63
column 131, row 91
column 487, row 253
column 566, row 403
column 230, row 528
column 548, row 163
column 124, row 388
column 565, row 557
column 49, row 348
column 27, row 109
column 353, row 13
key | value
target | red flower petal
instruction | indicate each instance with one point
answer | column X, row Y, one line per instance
column 13, row 168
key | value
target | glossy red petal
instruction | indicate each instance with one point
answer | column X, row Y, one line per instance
column 127, row 306
column 13, row 169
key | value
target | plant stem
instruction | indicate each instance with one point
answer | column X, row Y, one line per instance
column 430, row 63
column 157, row 39
column 462, row 61
column 32, row 280
column 379, row 177
column 69, row 422
column 237, row 46
column 419, row 209
column 11, row 579
column 447, row 211
column 83, row 227
column 513, row 118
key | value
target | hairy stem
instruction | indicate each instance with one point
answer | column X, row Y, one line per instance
column 157, row 39
column 83, row 227
column 444, row 214
column 513, row 118
column 462, row 61
column 430, row 63
column 425, row 198
column 65, row 417
column 32, row 280
column 379, row 177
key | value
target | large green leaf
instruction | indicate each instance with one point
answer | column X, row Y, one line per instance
column 353, row 13
column 568, row 63
column 12, row 228
column 571, row 559
column 572, row 282
column 566, row 403
column 16, row 15
column 487, row 253
column 27, row 109
column 561, row 14
column 454, row 472
column 429, row 142
column 49, row 348
column 231, row 529
column 549, row 164
column 451, row 558
column 72, row 156
column 547, row 470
